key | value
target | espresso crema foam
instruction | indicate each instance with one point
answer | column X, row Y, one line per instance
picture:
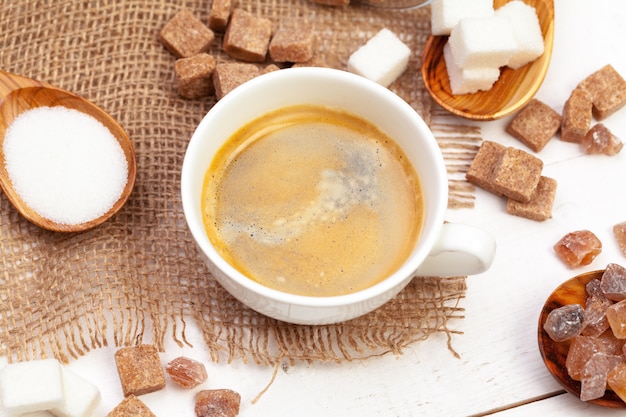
column 313, row 201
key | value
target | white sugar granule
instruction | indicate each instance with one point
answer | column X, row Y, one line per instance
column 65, row 164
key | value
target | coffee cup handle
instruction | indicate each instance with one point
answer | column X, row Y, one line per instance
column 459, row 250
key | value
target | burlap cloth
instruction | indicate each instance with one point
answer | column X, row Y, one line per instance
column 138, row 277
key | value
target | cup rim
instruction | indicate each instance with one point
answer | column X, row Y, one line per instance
column 196, row 226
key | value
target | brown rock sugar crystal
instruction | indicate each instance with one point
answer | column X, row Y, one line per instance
column 613, row 282
column 595, row 374
column 217, row 403
column 186, row 372
column 140, row 370
column 535, row 125
column 616, row 314
column 616, row 380
column 619, row 231
column 565, row 322
column 184, row 35
column 582, row 348
column 595, row 322
column 578, row 248
column 600, row 140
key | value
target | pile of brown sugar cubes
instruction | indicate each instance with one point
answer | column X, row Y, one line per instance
column 517, row 174
column 247, row 39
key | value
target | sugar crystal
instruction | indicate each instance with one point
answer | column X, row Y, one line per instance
column 581, row 350
column 611, row 344
column 600, row 140
column 217, row 403
column 616, row 314
column 595, row 322
column 613, row 283
column 578, row 248
column 565, row 322
column 186, row 372
column 594, row 375
column 616, row 380
column 619, row 230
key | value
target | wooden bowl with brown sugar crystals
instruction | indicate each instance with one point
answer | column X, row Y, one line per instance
column 582, row 335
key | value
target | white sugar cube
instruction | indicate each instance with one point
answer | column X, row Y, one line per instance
column 527, row 32
column 81, row 396
column 482, row 42
column 31, row 386
column 468, row 80
column 382, row 59
column 446, row 14
column 38, row 414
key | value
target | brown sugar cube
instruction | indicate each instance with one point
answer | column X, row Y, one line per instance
column 227, row 76
column 607, row 91
column 539, row 208
column 292, row 45
column 481, row 171
column 535, row 125
column 270, row 68
column 194, row 75
column 316, row 61
column 220, row 14
column 600, row 139
column 184, row 35
column 247, row 37
column 577, row 114
column 131, row 406
column 517, row 174
column 140, row 370
column 217, row 403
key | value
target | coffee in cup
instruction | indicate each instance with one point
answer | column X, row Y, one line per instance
column 312, row 200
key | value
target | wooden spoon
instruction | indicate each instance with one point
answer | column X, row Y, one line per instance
column 513, row 89
column 554, row 353
column 19, row 94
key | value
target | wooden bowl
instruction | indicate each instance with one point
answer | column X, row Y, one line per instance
column 554, row 353
column 513, row 90
column 19, row 94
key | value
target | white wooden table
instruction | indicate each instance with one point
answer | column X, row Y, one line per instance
column 500, row 371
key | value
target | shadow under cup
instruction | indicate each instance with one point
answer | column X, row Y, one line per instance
column 333, row 88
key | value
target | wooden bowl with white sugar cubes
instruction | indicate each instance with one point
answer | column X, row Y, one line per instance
column 486, row 59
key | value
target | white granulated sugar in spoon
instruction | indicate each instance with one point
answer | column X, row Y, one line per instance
column 65, row 164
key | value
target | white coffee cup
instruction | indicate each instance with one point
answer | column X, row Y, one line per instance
column 442, row 249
